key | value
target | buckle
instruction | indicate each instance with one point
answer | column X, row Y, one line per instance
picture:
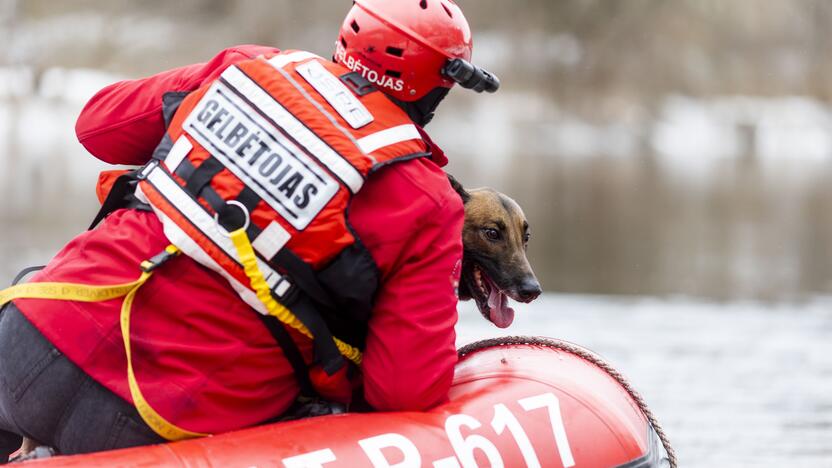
column 359, row 85
column 246, row 222
column 147, row 169
column 159, row 259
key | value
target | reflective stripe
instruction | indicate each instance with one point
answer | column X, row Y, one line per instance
column 389, row 137
column 288, row 122
column 178, row 153
column 197, row 216
column 336, row 94
column 298, row 191
column 281, row 288
column 271, row 240
column 282, row 60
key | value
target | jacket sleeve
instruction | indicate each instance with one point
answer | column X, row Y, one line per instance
column 410, row 353
column 123, row 123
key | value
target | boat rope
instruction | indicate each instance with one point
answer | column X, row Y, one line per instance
column 587, row 356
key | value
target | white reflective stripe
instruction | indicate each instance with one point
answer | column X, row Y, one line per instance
column 178, row 153
column 388, row 137
column 282, row 288
column 200, row 218
column 280, row 61
column 272, row 280
column 289, row 123
column 286, row 178
column 271, row 240
column 336, row 94
column 177, row 237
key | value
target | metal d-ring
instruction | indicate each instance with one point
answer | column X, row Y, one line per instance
column 239, row 205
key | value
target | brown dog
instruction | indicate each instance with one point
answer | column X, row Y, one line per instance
column 494, row 263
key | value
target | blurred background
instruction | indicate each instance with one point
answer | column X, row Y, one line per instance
column 674, row 160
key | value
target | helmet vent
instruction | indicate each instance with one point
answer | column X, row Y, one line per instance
column 451, row 15
column 354, row 26
column 424, row 4
column 395, row 51
column 393, row 73
column 343, row 42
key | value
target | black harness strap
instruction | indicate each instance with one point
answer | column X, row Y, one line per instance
column 203, row 174
column 249, row 199
column 26, row 271
column 292, row 353
column 197, row 176
column 185, row 169
column 170, row 104
column 303, row 276
column 304, row 303
column 300, row 272
column 326, row 352
column 121, row 196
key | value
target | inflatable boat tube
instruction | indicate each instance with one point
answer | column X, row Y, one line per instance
column 514, row 402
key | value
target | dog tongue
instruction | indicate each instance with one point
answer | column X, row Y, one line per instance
column 499, row 312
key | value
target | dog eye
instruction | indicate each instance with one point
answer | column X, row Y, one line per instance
column 526, row 237
column 492, row 234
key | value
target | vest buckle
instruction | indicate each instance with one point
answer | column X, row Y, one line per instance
column 160, row 259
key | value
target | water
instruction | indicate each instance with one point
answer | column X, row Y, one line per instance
column 734, row 384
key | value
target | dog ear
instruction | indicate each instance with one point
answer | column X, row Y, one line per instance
column 458, row 188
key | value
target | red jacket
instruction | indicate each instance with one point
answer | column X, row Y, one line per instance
column 203, row 358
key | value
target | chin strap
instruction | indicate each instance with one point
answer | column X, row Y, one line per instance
column 422, row 111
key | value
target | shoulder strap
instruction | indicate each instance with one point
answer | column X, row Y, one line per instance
column 120, row 196
column 26, row 271
column 292, row 353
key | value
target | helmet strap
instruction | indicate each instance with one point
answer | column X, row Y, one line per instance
column 422, row 111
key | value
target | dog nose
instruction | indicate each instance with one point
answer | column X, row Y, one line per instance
column 529, row 289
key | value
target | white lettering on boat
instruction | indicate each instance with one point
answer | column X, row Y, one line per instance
column 393, row 450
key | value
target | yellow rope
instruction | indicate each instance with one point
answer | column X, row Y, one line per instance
column 87, row 293
column 159, row 424
column 66, row 292
column 261, row 288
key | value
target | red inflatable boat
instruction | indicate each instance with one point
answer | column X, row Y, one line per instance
column 515, row 402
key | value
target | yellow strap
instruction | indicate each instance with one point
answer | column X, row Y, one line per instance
column 87, row 293
column 261, row 288
column 66, row 292
column 160, row 425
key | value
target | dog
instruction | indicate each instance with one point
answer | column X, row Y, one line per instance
column 494, row 264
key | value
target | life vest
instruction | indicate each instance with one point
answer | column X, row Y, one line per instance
column 276, row 147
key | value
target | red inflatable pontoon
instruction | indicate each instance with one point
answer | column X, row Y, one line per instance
column 515, row 402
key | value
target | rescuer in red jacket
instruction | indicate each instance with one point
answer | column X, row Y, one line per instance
column 203, row 359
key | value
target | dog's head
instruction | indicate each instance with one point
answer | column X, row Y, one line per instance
column 494, row 263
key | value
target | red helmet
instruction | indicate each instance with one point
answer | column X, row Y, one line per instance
column 403, row 46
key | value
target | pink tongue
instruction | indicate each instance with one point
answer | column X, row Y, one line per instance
column 499, row 312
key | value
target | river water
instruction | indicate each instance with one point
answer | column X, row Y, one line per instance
column 733, row 384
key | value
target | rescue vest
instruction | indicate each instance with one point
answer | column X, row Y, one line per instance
column 266, row 159
column 253, row 180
